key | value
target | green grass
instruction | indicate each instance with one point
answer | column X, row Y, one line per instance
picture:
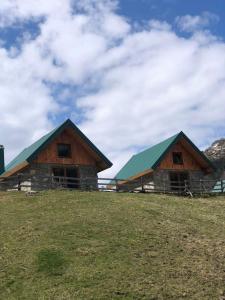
column 80, row 245
column 51, row 261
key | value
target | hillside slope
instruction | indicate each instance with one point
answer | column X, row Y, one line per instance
column 74, row 245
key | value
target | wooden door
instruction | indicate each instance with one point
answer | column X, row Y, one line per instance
column 178, row 180
column 74, row 182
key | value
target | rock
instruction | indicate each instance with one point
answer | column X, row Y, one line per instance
column 216, row 153
column 216, row 150
column 31, row 193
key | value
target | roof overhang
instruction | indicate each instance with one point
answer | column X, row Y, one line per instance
column 137, row 176
column 11, row 172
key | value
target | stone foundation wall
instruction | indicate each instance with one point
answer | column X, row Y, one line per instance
column 162, row 179
column 90, row 173
column 87, row 171
column 37, row 182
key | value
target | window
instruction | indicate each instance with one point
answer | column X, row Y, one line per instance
column 64, row 150
column 177, row 158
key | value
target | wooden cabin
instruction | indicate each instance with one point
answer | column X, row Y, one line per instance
column 167, row 165
column 63, row 152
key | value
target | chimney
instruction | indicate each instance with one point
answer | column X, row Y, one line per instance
column 2, row 160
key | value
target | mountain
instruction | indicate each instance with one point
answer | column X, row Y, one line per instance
column 216, row 153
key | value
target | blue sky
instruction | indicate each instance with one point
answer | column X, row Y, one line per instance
column 130, row 73
column 140, row 10
column 136, row 11
column 11, row 35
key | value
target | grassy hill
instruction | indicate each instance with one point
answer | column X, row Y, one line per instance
column 80, row 245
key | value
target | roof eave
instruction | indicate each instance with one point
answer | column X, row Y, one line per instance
column 14, row 170
column 136, row 176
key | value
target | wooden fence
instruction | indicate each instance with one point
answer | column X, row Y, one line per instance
column 25, row 182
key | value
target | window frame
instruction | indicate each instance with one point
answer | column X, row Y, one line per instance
column 176, row 160
column 69, row 152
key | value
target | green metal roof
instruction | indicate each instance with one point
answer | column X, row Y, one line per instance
column 145, row 160
column 29, row 153
column 150, row 158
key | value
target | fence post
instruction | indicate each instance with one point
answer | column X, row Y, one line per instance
column 222, row 187
column 79, row 183
column 164, row 186
column 142, row 185
column 201, row 187
column 87, row 186
column 117, row 188
column 185, row 186
column 19, row 182
column 52, row 182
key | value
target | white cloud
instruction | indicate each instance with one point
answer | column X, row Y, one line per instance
column 159, row 25
column 190, row 23
column 115, row 26
column 141, row 86
column 24, row 105
column 165, row 84
column 12, row 11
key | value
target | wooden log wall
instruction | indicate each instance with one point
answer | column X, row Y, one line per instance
column 79, row 153
column 189, row 161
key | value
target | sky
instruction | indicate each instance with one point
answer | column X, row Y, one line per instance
column 129, row 73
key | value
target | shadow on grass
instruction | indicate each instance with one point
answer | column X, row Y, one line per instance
column 51, row 262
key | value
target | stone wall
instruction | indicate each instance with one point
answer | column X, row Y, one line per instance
column 162, row 179
column 38, row 181
column 90, row 173
column 87, row 171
